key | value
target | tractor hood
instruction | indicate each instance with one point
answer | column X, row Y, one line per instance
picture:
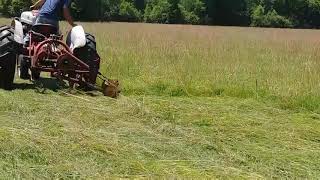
column 76, row 38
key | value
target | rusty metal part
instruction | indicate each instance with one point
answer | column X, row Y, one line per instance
column 111, row 88
column 51, row 54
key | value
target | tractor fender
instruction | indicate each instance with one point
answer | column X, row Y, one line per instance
column 76, row 38
column 18, row 31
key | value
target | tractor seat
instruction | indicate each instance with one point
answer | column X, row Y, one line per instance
column 45, row 29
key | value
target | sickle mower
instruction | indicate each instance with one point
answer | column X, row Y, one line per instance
column 34, row 49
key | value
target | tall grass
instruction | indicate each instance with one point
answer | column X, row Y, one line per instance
column 181, row 60
column 176, row 60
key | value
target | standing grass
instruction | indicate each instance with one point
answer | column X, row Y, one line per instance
column 176, row 60
column 199, row 102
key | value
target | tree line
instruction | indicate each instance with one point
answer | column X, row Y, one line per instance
column 263, row 13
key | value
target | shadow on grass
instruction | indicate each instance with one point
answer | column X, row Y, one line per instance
column 43, row 85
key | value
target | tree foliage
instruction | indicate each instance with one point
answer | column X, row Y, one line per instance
column 269, row 19
column 128, row 12
column 266, row 13
column 158, row 11
column 192, row 11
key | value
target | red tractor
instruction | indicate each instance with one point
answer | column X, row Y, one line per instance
column 32, row 49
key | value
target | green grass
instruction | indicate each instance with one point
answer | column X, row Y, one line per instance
column 176, row 60
column 56, row 136
column 209, row 102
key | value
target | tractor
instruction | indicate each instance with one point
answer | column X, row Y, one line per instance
column 30, row 49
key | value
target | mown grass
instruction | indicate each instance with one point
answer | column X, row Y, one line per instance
column 208, row 102
column 56, row 136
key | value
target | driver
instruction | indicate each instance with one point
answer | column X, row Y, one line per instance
column 48, row 14
column 49, row 10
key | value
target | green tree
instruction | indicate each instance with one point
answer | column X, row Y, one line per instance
column 157, row 11
column 192, row 11
column 228, row 12
column 5, row 7
column 14, row 7
column 269, row 13
column 175, row 15
column 140, row 4
column 269, row 19
column 128, row 12
column 312, row 14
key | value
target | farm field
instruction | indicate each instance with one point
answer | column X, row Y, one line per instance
column 197, row 101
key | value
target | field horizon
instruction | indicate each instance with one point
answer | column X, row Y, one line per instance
column 197, row 102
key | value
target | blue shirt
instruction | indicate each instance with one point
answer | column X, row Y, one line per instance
column 51, row 8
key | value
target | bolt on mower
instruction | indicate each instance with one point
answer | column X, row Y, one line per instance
column 31, row 49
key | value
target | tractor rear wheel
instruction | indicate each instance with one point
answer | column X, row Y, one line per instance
column 35, row 75
column 23, row 68
column 89, row 55
column 7, row 58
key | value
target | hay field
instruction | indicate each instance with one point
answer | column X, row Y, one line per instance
column 198, row 101
column 272, row 64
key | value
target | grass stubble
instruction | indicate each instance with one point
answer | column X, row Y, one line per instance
column 210, row 102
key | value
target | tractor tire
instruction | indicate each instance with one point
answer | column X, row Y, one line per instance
column 23, row 68
column 7, row 42
column 7, row 58
column 35, row 75
column 89, row 51
column 89, row 55
column 91, row 42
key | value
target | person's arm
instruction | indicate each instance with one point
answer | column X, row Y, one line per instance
column 38, row 4
column 68, row 17
column 67, row 14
